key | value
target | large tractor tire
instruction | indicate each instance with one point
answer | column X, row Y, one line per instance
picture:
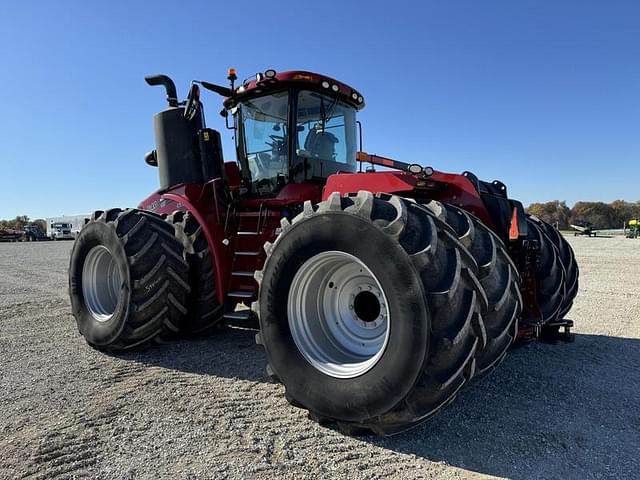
column 204, row 312
column 557, row 276
column 550, row 273
column 568, row 260
column 498, row 276
column 370, row 313
column 127, row 279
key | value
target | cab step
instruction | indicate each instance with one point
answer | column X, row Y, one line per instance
column 238, row 315
column 241, row 294
column 243, row 274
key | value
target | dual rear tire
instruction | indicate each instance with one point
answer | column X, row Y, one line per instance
column 136, row 278
column 205, row 312
column 127, row 280
column 557, row 275
column 498, row 277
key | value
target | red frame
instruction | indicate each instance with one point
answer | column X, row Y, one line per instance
column 202, row 202
column 445, row 187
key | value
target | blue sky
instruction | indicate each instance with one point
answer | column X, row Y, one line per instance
column 544, row 95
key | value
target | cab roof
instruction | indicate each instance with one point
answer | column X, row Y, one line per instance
column 270, row 80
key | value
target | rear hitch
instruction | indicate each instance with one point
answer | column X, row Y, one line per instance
column 551, row 332
column 557, row 331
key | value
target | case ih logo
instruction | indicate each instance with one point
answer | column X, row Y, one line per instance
column 160, row 204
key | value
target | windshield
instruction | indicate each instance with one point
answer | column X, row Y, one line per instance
column 326, row 135
column 264, row 143
column 324, row 141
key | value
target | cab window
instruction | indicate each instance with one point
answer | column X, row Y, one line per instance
column 326, row 132
column 265, row 142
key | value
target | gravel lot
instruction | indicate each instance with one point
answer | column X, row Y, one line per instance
column 205, row 409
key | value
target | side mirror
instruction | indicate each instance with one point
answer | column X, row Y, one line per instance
column 225, row 113
column 151, row 159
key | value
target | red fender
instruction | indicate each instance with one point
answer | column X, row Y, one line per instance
column 445, row 187
column 186, row 198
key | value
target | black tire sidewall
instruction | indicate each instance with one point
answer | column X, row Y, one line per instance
column 391, row 379
column 94, row 234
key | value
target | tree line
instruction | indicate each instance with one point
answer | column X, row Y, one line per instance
column 21, row 221
column 600, row 214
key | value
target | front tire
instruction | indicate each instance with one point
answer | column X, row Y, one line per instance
column 421, row 287
column 127, row 279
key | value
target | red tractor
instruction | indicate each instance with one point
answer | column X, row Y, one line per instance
column 379, row 294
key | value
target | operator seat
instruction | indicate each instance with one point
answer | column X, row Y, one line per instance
column 321, row 144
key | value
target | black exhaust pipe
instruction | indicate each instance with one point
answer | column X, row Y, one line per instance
column 167, row 83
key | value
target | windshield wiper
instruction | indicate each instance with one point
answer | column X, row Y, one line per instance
column 324, row 114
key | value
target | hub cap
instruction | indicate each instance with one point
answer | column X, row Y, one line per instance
column 338, row 314
column 100, row 283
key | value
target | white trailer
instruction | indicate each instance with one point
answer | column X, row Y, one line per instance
column 66, row 226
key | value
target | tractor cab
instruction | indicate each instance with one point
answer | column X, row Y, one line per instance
column 293, row 127
column 290, row 127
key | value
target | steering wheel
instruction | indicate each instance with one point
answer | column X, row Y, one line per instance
column 193, row 102
column 278, row 145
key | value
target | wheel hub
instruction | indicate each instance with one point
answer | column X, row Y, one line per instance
column 366, row 307
column 101, row 283
column 338, row 314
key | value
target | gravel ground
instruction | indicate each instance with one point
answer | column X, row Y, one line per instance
column 205, row 409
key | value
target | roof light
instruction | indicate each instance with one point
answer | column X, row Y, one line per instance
column 259, row 77
column 354, row 95
column 415, row 168
column 428, row 171
column 270, row 73
column 231, row 71
column 325, row 84
column 360, row 99
column 335, row 88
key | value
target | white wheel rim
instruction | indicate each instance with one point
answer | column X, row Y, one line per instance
column 338, row 314
column 101, row 283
